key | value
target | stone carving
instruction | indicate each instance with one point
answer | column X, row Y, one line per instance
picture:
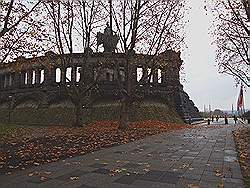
column 107, row 39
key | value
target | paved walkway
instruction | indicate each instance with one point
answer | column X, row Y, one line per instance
column 204, row 157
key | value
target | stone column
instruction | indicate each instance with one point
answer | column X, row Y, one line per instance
column 38, row 76
column 11, row 76
column 5, row 80
column 155, row 76
column 22, row 77
column 53, row 75
column 88, row 73
column 29, row 77
column 17, row 79
column 73, row 74
column 1, row 81
column 47, row 78
column 133, row 74
column 164, row 76
column 2, row 78
column 63, row 75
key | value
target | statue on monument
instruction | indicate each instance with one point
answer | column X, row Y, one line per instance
column 107, row 39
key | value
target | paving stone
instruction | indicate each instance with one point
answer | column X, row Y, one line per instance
column 131, row 165
column 214, row 167
column 150, row 184
column 178, row 170
column 216, row 155
column 232, row 165
column 170, row 177
column 211, row 178
column 188, row 157
column 191, row 176
column 37, row 179
column 193, row 153
column 155, row 152
column 210, row 173
column 186, row 183
column 197, row 171
column 101, row 171
column 98, row 165
column 128, row 179
column 230, row 152
column 210, row 184
column 153, row 175
column 175, row 157
column 233, row 180
column 137, row 150
column 76, row 173
column 201, row 160
column 233, row 185
column 237, row 175
column 86, row 186
column 230, row 159
column 158, row 141
column 145, row 147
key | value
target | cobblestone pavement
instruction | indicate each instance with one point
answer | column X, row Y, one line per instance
column 204, row 157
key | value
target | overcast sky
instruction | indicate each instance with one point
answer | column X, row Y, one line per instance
column 203, row 82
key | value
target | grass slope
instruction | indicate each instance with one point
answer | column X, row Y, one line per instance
column 64, row 115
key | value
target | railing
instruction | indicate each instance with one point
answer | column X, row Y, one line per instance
column 193, row 120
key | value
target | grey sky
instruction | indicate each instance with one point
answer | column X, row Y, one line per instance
column 204, row 83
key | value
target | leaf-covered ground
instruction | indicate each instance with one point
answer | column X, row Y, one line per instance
column 242, row 138
column 24, row 146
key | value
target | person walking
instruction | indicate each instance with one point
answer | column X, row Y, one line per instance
column 217, row 118
column 226, row 120
column 235, row 119
column 189, row 120
column 208, row 121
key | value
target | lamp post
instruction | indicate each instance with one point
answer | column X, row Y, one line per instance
column 9, row 108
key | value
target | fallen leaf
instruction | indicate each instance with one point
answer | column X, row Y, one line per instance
column 42, row 178
column 74, row 178
column 193, row 186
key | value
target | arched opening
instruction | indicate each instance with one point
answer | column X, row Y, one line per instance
column 41, row 76
column 122, row 74
column 109, row 74
column 33, row 81
column 159, row 76
column 58, row 75
column 25, row 78
column 150, row 75
column 139, row 72
column 68, row 74
column 78, row 73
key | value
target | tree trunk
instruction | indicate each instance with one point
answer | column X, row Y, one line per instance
column 78, row 110
column 124, row 115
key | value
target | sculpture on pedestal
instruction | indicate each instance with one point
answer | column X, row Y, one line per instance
column 107, row 39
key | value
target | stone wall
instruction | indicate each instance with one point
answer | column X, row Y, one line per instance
column 43, row 79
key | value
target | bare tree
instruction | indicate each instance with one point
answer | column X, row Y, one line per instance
column 148, row 28
column 22, row 29
column 232, row 38
column 74, row 26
